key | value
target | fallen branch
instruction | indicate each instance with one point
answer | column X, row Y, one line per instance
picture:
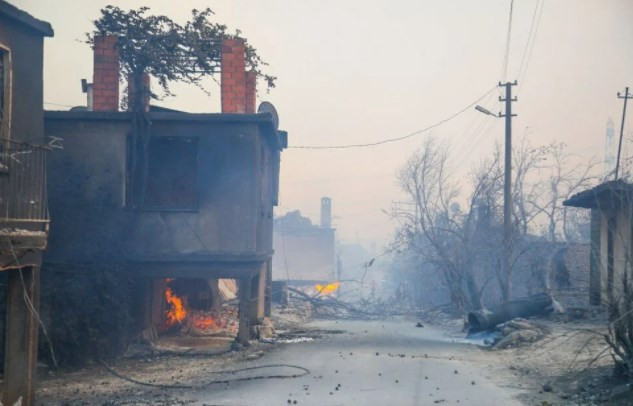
column 329, row 302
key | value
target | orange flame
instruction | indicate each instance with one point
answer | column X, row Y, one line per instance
column 329, row 288
column 176, row 312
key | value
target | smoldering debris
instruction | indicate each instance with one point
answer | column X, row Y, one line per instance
column 513, row 333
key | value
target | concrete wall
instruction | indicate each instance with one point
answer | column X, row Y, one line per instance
column 622, row 252
column 87, row 193
column 26, row 49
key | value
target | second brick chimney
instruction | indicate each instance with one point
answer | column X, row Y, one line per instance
column 105, row 87
column 251, row 92
column 145, row 92
column 238, row 87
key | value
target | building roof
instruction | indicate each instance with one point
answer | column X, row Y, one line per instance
column 263, row 120
column 607, row 195
column 25, row 18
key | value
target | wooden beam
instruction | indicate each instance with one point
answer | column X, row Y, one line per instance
column 171, row 269
column 257, row 303
column 244, row 292
column 21, row 337
column 269, row 288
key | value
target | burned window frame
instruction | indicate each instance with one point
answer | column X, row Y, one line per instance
column 134, row 189
column 5, row 107
column 5, row 91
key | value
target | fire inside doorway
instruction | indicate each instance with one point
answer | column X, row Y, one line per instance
column 194, row 313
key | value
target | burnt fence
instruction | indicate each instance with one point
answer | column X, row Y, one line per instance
column 22, row 182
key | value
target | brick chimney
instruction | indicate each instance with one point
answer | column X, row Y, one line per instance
column 145, row 89
column 105, row 88
column 251, row 92
column 233, row 78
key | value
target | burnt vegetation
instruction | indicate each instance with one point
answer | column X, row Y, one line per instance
column 461, row 248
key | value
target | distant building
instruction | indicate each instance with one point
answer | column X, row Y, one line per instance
column 611, row 271
column 304, row 252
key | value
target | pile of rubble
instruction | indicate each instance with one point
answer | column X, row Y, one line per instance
column 519, row 332
column 514, row 333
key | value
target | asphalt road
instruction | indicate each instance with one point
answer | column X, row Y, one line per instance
column 371, row 363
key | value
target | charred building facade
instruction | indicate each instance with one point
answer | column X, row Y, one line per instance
column 198, row 206
column 23, row 204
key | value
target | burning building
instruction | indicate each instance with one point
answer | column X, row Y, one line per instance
column 194, row 212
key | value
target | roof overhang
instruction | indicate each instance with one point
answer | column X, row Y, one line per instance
column 25, row 18
column 605, row 196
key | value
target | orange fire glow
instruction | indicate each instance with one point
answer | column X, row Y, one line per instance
column 326, row 289
column 202, row 321
column 176, row 311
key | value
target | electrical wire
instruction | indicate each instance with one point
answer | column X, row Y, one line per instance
column 529, row 57
column 506, row 57
column 304, row 372
column 471, row 141
column 479, row 133
column 30, row 305
column 529, row 39
column 439, row 123
column 58, row 104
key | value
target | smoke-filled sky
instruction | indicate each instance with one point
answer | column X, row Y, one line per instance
column 357, row 71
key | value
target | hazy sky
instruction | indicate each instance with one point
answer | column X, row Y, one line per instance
column 353, row 71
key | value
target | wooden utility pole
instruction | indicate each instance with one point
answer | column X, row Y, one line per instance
column 626, row 97
column 507, row 185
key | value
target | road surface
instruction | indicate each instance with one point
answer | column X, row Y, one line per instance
column 371, row 363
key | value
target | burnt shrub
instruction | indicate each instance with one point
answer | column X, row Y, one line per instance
column 87, row 315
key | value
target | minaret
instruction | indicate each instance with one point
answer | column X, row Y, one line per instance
column 609, row 149
column 326, row 212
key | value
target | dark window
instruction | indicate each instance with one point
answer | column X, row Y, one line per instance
column 611, row 225
column 171, row 173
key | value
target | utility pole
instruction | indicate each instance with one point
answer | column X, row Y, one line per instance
column 507, row 185
column 626, row 97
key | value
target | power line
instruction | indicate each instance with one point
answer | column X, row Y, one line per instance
column 477, row 136
column 398, row 138
column 529, row 56
column 58, row 104
column 527, row 43
column 506, row 58
column 478, row 132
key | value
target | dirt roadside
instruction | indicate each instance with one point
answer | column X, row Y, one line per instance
column 569, row 365
column 168, row 376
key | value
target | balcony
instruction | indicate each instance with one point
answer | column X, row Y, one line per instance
column 23, row 207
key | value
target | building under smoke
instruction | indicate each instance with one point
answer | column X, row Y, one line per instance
column 305, row 252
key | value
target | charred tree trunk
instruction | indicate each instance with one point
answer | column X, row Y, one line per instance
column 474, row 293
column 525, row 307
